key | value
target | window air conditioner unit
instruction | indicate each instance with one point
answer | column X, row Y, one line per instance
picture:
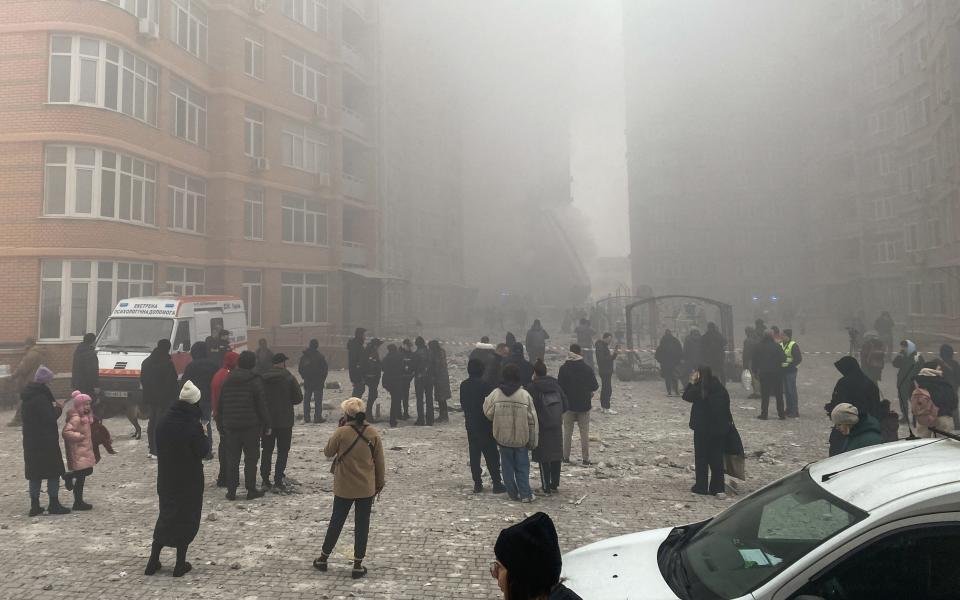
column 320, row 111
column 260, row 163
column 260, row 6
column 146, row 28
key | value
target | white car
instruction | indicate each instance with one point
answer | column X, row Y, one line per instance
column 878, row 523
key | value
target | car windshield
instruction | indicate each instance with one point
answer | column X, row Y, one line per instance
column 753, row 541
column 137, row 334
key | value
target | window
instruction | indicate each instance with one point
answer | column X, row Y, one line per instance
column 915, row 298
column 253, row 56
column 887, row 251
column 304, row 221
column 81, row 181
column 96, row 73
column 181, row 341
column 304, row 149
column 139, row 8
column 938, row 298
column 935, row 233
column 307, row 77
column 188, row 27
column 924, row 108
column 911, row 563
column 185, row 281
column 253, row 131
column 253, row 214
column 187, row 203
column 886, row 163
column 188, row 113
column 303, row 298
column 312, row 14
column 77, row 296
column 252, row 296
column 912, row 243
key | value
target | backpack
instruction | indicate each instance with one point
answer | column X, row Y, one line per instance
column 552, row 407
column 923, row 408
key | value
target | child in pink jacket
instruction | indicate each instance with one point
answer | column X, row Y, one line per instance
column 78, row 442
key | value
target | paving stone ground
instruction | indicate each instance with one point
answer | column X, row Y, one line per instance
column 431, row 537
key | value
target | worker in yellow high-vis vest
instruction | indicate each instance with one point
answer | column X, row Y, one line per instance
column 791, row 360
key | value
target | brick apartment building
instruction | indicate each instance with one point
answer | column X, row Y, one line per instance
column 219, row 146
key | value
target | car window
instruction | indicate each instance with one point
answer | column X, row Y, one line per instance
column 182, row 340
column 913, row 563
column 754, row 540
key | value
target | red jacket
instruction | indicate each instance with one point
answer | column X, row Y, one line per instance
column 229, row 363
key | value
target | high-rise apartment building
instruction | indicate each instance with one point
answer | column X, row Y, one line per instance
column 195, row 147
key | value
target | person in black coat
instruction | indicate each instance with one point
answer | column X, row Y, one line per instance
column 200, row 371
column 392, row 365
column 713, row 348
column 517, row 358
column 853, row 387
column 355, row 353
column 669, row 354
column 282, row 393
column 409, row 373
column 710, row 420
column 158, row 378
column 605, row 364
column 423, row 383
column 550, row 403
column 42, row 458
column 243, row 416
column 473, row 391
column 492, row 373
column 578, row 383
column 181, row 446
column 372, row 370
column 768, row 361
column 691, row 351
column 313, row 368
column 951, row 372
column 86, row 367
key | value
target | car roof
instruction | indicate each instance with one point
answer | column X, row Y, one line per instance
column 876, row 475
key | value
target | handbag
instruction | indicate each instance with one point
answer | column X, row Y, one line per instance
column 734, row 459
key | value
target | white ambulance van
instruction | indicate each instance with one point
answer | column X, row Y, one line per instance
column 136, row 325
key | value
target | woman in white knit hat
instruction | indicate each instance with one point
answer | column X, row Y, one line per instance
column 859, row 430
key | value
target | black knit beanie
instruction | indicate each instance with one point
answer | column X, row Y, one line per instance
column 531, row 551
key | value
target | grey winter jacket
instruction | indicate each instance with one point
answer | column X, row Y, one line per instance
column 514, row 418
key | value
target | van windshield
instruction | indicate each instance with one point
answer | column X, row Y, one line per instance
column 131, row 333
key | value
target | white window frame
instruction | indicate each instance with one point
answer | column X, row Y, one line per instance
column 253, row 214
column 306, row 75
column 135, row 92
column 103, row 277
column 186, row 203
column 252, row 288
column 304, row 299
column 300, row 145
column 253, row 131
column 179, row 282
column 188, row 112
column 303, row 221
column 254, row 55
column 312, row 14
column 129, row 173
column 142, row 9
column 911, row 237
column 188, row 26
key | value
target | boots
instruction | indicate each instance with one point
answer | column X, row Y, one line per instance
column 182, row 567
column 35, row 507
column 56, row 508
column 358, row 570
column 78, row 503
column 153, row 565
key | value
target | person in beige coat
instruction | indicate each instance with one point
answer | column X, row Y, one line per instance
column 515, row 428
column 358, row 477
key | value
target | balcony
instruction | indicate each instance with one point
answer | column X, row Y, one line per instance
column 354, row 187
column 354, row 59
column 354, row 254
column 354, row 122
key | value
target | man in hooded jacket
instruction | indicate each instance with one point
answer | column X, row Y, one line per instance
column 423, row 383
column 537, row 341
column 313, row 368
column 669, row 354
column 578, row 383
column 473, row 391
column 856, row 389
column 768, row 361
column 393, row 381
column 158, row 378
column 606, row 359
column 550, row 403
column 243, row 415
column 516, row 358
column 229, row 363
column 713, row 348
column 282, row 393
column 86, row 367
column 201, row 371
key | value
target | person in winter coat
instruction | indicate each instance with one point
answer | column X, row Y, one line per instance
column 158, row 379
column 282, row 393
column 42, row 459
column 528, row 561
column 669, row 354
column 951, row 373
column 768, row 360
column 359, row 475
column 409, row 355
column 856, row 430
column 873, row 356
column 606, row 359
column 856, row 389
column 441, row 379
column 181, row 447
column 942, row 394
column 537, row 341
column 710, row 420
column 78, row 442
column 510, row 339
column 229, row 364
column 493, row 371
column 423, row 383
column 473, row 391
column 393, row 381
column 908, row 363
column 372, row 370
column 884, row 325
column 550, row 403
column 243, row 416
column 516, row 358
column 483, row 351
column 750, row 342
column 86, row 366
column 585, row 334
column 792, row 357
column 516, row 431
column 578, row 383
column 313, row 368
column 264, row 356
column 692, row 351
column 713, row 351
column 201, row 371
column 355, row 355
column 33, row 357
